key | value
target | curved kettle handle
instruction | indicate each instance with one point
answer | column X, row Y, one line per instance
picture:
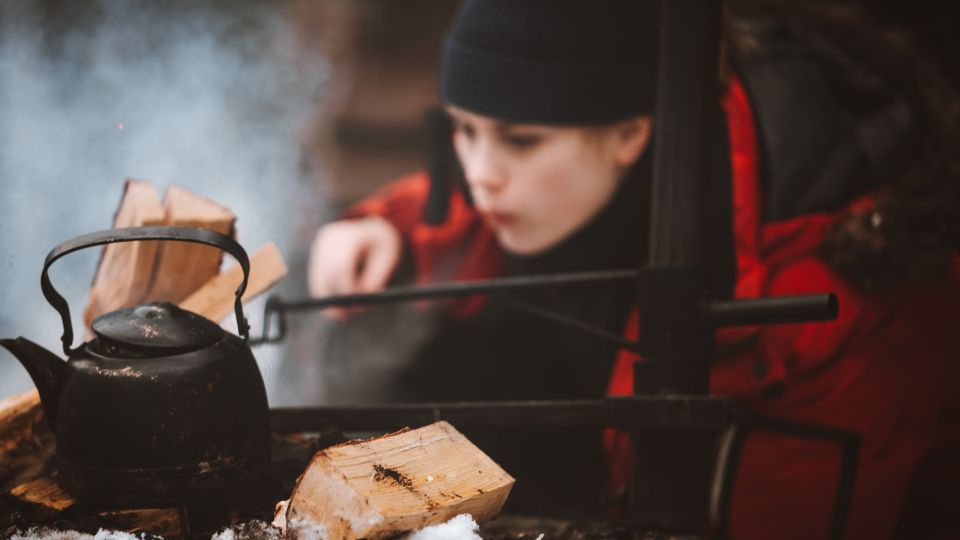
column 132, row 234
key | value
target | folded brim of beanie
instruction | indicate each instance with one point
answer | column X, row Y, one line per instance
column 523, row 90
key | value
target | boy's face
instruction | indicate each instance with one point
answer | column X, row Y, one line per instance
column 534, row 185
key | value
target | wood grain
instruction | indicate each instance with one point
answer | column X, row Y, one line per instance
column 125, row 269
column 215, row 299
column 182, row 267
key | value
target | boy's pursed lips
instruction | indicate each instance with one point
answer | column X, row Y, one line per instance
column 497, row 218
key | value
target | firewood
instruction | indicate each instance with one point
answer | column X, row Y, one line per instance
column 45, row 492
column 17, row 410
column 125, row 269
column 26, row 443
column 163, row 522
column 182, row 267
column 215, row 299
column 386, row 486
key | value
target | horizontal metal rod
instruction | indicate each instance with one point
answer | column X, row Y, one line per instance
column 775, row 310
column 678, row 412
column 457, row 289
column 587, row 329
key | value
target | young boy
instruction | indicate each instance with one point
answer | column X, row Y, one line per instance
column 552, row 106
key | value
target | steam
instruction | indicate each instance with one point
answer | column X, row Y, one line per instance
column 205, row 95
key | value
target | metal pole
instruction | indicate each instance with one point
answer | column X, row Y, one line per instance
column 673, row 469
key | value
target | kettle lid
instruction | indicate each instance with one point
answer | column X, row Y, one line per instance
column 154, row 329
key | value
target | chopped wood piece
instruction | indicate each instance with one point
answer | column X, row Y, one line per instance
column 125, row 269
column 215, row 299
column 46, row 492
column 15, row 409
column 165, row 522
column 389, row 485
column 183, row 267
column 26, row 444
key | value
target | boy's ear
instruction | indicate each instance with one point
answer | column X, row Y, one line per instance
column 633, row 137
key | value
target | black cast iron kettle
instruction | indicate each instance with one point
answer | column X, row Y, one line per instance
column 162, row 403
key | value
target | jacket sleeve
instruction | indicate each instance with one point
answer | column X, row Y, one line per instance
column 399, row 202
column 460, row 248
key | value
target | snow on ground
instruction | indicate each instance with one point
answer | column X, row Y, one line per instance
column 49, row 534
column 462, row 527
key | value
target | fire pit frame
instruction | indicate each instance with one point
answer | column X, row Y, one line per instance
column 673, row 422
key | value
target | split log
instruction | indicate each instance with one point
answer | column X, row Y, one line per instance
column 26, row 443
column 125, row 269
column 386, row 486
column 216, row 298
column 183, row 267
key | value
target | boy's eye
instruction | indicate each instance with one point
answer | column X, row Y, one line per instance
column 463, row 128
column 521, row 141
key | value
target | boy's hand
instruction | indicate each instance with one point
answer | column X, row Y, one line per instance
column 352, row 256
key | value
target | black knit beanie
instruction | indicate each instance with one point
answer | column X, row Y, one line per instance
column 572, row 62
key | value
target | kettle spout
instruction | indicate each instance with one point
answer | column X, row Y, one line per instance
column 45, row 368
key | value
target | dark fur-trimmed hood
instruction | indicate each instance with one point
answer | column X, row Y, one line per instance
column 848, row 107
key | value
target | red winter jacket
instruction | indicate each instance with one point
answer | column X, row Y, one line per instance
column 886, row 369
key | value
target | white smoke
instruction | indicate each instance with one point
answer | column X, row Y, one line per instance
column 206, row 95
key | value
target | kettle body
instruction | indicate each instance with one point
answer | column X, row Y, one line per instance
column 162, row 404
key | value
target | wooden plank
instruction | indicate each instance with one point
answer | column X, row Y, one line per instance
column 163, row 522
column 125, row 269
column 45, row 492
column 383, row 487
column 214, row 300
column 182, row 267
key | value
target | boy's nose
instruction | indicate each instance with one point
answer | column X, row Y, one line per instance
column 482, row 170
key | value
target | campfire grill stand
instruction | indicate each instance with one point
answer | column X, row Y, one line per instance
column 674, row 424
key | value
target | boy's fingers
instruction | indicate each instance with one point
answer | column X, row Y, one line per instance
column 377, row 268
column 344, row 274
column 336, row 314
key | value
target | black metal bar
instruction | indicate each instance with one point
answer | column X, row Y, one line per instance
column 671, row 483
column 271, row 312
column 688, row 87
column 276, row 307
column 678, row 412
column 848, row 440
column 459, row 289
column 775, row 310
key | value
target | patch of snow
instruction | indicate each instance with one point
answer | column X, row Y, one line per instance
column 224, row 535
column 462, row 527
column 305, row 529
column 250, row 530
column 51, row 534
